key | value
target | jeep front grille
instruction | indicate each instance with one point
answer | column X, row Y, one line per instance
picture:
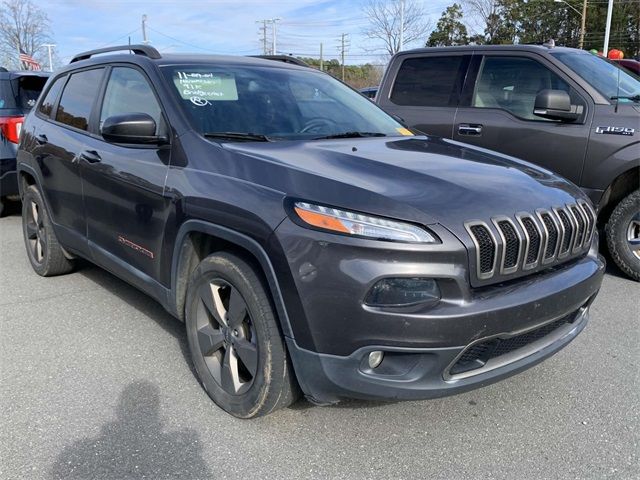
column 528, row 241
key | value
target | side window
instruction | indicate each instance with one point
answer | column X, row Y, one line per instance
column 512, row 83
column 429, row 81
column 46, row 107
column 78, row 97
column 129, row 92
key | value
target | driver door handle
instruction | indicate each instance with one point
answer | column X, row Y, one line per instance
column 474, row 129
column 91, row 156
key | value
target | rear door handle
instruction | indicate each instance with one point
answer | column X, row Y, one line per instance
column 91, row 156
column 42, row 139
column 474, row 129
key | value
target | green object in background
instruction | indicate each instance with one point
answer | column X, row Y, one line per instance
column 201, row 87
column 593, row 51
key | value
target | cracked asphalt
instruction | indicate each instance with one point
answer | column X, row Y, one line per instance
column 95, row 383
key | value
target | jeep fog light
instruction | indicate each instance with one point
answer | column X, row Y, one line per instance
column 400, row 292
column 375, row 358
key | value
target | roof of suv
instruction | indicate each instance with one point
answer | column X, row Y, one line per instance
column 10, row 75
column 146, row 53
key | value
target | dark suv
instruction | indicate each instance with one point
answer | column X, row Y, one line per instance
column 18, row 93
column 304, row 236
column 565, row 109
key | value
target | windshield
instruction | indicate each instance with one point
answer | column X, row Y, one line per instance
column 275, row 103
column 603, row 75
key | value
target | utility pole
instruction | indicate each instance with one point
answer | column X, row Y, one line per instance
column 49, row 47
column 144, row 29
column 583, row 25
column 402, row 24
column 274, row 22
column 321, row 59
column 343, row 47
column 264, row 35
column 607, row 32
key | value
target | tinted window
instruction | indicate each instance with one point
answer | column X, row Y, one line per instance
column 129, row 92
column 46, row 107
column 428, row 81
column 512, row 83
column 21, row 92
column 78, row 97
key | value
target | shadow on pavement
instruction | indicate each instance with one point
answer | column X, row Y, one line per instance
column 134, row 445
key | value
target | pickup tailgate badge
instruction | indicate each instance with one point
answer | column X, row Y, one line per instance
column 616, row 130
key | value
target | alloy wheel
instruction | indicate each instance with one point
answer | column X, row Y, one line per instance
column 35, row 232
column 633, row 235
column 226, row 336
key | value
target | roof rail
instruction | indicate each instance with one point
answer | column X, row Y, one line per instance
column 283, row 58
column 144, row 50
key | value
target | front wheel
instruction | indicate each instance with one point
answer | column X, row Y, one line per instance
column 236, row 346
column 623, row 235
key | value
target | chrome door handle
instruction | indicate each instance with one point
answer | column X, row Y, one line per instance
column 470, row 129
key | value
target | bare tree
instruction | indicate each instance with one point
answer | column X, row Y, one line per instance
column 384, row 18
column 23, row 26
column 486, row 14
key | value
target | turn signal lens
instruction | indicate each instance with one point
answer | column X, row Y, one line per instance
column 352, row 223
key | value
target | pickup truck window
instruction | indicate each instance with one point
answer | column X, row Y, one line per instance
column 428, row 81
column 512, row 83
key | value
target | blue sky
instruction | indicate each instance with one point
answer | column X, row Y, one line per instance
column 220, row 26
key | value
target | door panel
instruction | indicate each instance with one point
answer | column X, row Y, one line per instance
column 501, row 117
column 124, row 184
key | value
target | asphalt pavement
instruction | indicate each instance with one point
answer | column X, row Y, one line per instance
column 95, row 383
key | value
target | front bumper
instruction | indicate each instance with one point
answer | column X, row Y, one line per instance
column 332, row 341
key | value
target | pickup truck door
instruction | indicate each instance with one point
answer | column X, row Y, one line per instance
column 496, row 112
column 424, row 90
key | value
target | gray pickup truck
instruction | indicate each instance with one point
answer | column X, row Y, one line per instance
column 561, row 108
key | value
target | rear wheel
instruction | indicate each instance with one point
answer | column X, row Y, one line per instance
column 236, row 346
column 623, row 235
column 45, row 254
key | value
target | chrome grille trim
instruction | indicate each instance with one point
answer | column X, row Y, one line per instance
column 469, row 227
column 503, row 269
column 562, row 252
column 542, row 214
column 591, row 222
column 521, row 218
column 579, row 224
column 529, row 241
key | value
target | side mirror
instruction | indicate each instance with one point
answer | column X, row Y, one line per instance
column 136, row 128
column 556, row 105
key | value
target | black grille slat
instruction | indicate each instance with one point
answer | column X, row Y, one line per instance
column 534, row 240
column 479, row 354
column 581, row 226
column 568, row 231
column 486, row 247
column 552, row 239
column 590, row 224
column 512, row 244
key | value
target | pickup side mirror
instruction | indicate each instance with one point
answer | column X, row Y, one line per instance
column 556, row 105
column 136, row 128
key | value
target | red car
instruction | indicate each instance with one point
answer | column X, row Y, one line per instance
column 631, row 65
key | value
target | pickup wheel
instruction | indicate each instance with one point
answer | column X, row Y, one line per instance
column 236, row 346
column 623, row 235
column 45, row 254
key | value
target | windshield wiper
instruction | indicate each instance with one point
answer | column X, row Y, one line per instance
column 633, row 98
column 351, row 135
column 247, row 137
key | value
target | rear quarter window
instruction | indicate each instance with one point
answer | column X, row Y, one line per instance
column 78, row 98
column 429, row 81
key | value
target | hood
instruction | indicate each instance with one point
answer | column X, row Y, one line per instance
column 420, row 179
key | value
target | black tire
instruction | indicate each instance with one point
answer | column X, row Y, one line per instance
column 45, row 254
column 262, row 382
column 623, row 234
column 1, row 207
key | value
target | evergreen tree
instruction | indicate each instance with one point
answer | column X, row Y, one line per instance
column 450, row 30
